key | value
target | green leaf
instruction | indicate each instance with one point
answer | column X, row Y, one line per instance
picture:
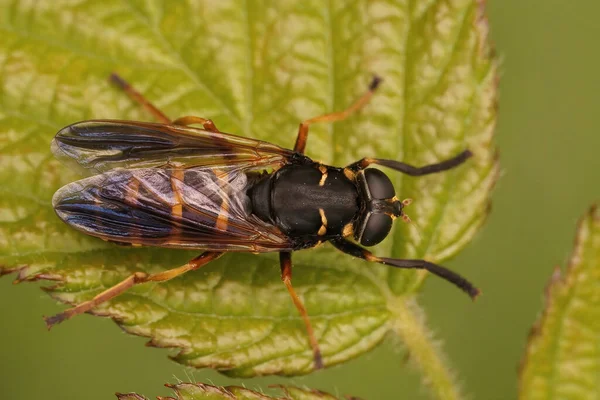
column 197, row 391
column 562, row 359
column 257, row 69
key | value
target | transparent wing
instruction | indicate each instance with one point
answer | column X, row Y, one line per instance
column 102, row 145
column 192, row 208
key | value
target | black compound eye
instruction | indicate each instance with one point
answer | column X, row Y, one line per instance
column 379, row 184
column 376, row 229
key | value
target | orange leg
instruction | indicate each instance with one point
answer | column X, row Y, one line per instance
column 285, row 259
column 137, row 96
column 189, row 120
column 159, row 115
column 336, row 116
column 134, row 279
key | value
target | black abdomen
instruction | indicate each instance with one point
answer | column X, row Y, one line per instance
column 293, row 197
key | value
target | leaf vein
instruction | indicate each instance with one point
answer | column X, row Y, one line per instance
column 184, row 67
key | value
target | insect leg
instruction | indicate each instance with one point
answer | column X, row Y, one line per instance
column 285, row 259
column 159, row 115
column 190, row 120
column 134, row 279
column 451, row 276
column 410, row 169
column 336, row 116
column 137, row 96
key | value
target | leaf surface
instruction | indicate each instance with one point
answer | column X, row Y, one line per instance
column 562, row 359
column 257, row 69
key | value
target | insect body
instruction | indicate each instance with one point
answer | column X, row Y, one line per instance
column 171, row 185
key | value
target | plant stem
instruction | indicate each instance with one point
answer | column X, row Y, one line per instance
column 410, row 325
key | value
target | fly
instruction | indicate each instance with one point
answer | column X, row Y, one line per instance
column 171, row 185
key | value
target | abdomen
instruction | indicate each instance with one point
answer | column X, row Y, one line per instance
column 191, row 208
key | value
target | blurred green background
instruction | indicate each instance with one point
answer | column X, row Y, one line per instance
column 548, row 135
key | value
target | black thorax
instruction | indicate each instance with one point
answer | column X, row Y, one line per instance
column 306, row 200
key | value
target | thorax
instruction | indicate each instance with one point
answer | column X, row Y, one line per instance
column 306, row 200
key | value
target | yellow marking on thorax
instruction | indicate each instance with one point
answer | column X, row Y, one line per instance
column 349, row 174
column 323, row 170
column 323, row 229
column 348, row 230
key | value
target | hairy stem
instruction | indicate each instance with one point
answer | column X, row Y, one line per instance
column 424, row 351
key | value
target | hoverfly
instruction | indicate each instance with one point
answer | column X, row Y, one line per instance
column 171, row 185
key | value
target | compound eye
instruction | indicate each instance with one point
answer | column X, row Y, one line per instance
column 376, row 229
column 380, row 186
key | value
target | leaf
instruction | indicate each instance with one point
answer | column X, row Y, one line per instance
column 197, row 391
column 257, row 69
column 562, row 359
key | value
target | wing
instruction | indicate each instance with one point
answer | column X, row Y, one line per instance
column 191, row 208
column 101, row 145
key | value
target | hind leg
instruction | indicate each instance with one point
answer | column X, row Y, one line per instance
column 130, row 281
column 137, row 97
